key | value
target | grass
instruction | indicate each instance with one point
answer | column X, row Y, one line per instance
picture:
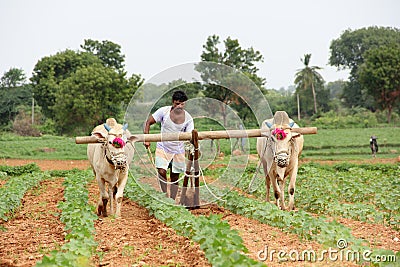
column 351, row 143
column 44, row 147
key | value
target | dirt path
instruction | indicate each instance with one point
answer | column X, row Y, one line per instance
column 47, row 164
column 138, row 239
column 35, row 230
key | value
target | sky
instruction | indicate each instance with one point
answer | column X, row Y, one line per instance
column 157, row 35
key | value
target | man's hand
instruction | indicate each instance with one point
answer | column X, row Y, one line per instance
column 146, row 144
column 146, row 129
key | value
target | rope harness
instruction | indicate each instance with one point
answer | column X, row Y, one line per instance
column 118, row 160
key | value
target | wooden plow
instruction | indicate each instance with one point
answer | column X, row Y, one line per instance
column 192, row 166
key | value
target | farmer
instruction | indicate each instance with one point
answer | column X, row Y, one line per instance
column 170, row 154
column 373, row 144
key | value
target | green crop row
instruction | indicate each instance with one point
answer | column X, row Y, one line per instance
column 368, row 193
column 222, row 245
column 301, row 223
column 355, row 192
column 78, row 218
column 320, row 229
column 6, row 171
column 12, row 192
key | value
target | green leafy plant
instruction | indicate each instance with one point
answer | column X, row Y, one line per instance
column 222, row 245
column 12, row 192
column 78, row 218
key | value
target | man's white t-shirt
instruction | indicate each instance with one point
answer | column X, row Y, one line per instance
column 162, row 115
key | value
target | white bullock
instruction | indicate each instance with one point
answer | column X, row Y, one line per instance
column 279, row 152
column 110, row 161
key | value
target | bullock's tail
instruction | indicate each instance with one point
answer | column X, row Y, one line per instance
column 254, row 178
column 257, row 170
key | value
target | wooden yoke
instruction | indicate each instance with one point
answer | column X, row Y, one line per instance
column 185, row 136
column 192, row 159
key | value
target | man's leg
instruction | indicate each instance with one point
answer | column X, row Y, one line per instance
column 174, row 185
column 178, row 166
column 162, row 161
column 162, row 178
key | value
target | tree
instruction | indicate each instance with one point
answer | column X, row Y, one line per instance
column 108, row 52
column 60, row 81
column 14, row 93
column 281, row 100
column 13, row 78
column 335, row 89
column 50, row 71
column 347, row 52
column 90, row 95
column 236, row 57
column 307, row 78
column 380, row 75
column 11, row 100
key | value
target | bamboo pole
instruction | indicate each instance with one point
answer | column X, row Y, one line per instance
column 186, row 136
column 86, row 140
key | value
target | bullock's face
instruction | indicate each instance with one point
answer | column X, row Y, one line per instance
column 281, row 144
column 115, row 145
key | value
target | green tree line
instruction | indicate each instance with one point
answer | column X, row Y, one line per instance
column 75, row 90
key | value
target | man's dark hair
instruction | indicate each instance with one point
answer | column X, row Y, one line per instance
column 180, row 96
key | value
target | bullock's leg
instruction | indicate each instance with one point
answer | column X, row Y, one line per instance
column 174, row 185
column 282, row 195
column 103, row 200
column 276, row 188
column 111, row 194
column 267, row 180
column 268, row 186
column 120, row 193
column 292, row 186
column 279, row 186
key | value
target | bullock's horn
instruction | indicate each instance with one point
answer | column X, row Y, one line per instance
column 291, row 124
column 268, row 124
column 108, row 128
column 125, row 126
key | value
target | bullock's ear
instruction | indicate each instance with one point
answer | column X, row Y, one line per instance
column 99, row 137
column 125, row 126
column 269, row 125
column 295, row 135
column 291, row 124
column 266, row 133
column 107, row 127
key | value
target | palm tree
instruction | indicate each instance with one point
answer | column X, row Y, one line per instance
column 307, row 77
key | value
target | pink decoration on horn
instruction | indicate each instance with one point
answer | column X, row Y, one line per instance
column 279, row 133
column 118, row 142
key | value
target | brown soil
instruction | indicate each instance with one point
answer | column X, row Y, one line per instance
column 139, row 239
column 48, row 164
column 35, row 229
column 365, row 161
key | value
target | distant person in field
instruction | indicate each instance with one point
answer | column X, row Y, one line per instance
column 373, row 144
column 170, row 154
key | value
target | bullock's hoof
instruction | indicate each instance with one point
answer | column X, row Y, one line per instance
column 99, row 209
